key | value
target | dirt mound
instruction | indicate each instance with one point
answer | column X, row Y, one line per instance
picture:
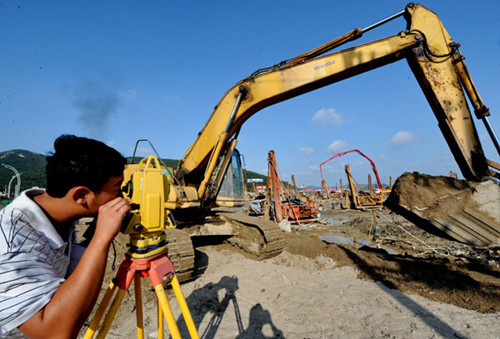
column 463, row 211
column 417, row 190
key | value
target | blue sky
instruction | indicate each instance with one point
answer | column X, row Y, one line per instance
column 120, row 71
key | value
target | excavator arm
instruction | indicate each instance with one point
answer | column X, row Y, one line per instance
column 432, row 55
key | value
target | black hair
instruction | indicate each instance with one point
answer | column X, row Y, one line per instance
column 79, row 161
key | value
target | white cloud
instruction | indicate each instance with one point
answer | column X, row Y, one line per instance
column 402, row 138
column 330, row 167
column 382, row 158
column 328, row 116
column 337, row 146
column 306, row 150
column 314, row 168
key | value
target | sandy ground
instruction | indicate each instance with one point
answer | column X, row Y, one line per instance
column 292, row 296
column 318, row 290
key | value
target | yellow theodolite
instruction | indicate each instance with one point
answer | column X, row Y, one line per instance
column 146, row 186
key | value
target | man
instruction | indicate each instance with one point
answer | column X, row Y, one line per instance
column 39, row 296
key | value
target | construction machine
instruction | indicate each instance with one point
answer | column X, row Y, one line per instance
column 374, row 167
column 432, row 55
column 360, row 199
column 280, row 205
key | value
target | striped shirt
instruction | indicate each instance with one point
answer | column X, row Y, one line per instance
column 33, row 262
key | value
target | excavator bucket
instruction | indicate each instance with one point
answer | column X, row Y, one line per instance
column 464, row 211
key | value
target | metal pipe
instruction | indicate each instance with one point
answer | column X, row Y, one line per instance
column 381, row 22
column 10, row 183
column 242, row 94
column 491, row 132
column 16, row 175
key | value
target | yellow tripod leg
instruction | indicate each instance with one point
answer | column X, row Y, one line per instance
column 160, row 322
column 184, row 307
column 100, row 311
column 138, row 306
column 167, row 311
column 108, row 319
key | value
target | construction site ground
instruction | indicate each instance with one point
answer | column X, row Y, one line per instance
column 432, row 288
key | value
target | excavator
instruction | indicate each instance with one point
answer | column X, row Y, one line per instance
column 209, row 172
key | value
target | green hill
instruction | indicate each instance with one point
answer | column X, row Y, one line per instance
column 31, row 167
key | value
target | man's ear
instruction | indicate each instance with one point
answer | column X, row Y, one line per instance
column 80, row 194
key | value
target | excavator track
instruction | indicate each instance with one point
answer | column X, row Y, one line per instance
column 181, row 253
column 261, row 238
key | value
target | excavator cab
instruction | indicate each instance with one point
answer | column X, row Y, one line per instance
column 232, row 190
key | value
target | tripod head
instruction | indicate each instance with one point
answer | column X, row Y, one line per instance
column 146, row 186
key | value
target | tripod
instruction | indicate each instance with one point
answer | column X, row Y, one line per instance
column 146, row 257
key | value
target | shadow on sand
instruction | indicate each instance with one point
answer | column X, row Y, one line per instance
column 214, row 300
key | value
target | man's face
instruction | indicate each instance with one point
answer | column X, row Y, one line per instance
column 110, row 191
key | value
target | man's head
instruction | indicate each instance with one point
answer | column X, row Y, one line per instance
column 79, row 161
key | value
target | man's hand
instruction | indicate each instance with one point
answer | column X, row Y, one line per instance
column 110, row 217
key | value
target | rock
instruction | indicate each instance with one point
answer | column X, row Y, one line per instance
column 285, row 226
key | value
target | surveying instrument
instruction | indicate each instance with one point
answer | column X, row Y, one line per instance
column 146, row 186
